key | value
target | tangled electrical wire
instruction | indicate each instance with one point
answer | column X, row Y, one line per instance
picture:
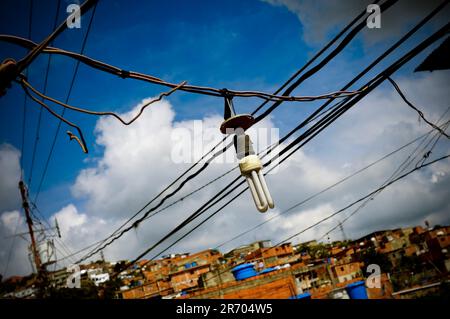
column 22, row 80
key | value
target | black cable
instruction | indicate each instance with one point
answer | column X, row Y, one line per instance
column 30, row 21
column 341, row 210
column 348, row 103
column 290, row 209
column 399, row 91
column 72, row 82
column 362, row 198
column 401, row 168
column 300, row 203
column 310, row 73
column 384, row 6
column 369, row 67
column 36, row 140
column 50, row 228
column 372, row 84
column 26, row 61
column 316, row 56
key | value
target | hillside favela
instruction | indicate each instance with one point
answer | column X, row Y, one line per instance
column 224, row 159
column 401, row 263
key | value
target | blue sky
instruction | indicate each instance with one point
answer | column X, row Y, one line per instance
column 242, row 45
column 235, row 45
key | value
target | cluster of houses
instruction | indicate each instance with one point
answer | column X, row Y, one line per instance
column 396, row 262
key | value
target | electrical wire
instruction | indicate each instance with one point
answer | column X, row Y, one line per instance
column 337, row 94
column 72, row 82
column 309, row 198
column 26, row 61
column 373, row 83
column 370, row 66
column 11, row 247
column 384, row 6
column 285, row 84
column 362, row 198
column 398, row 171
column 36, row 140
column 56, row 235
column 197, row 89
column 343, row 209
column 13, row 240
column 397, row 88
column 313, row 58
column 82, row 141
column 24, row 118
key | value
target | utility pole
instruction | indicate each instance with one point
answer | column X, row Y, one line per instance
column 341, row 227
column 26, row 208
column 40, row 269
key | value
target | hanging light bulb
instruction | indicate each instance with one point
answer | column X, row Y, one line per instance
column 249, row 163
column 251, row 168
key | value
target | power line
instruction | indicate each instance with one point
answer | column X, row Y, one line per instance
column 359, row 208
column 397, row 44
column 397, row 88
column 24, row 118
column 398, row 171
column 384, row 6
column 30, row 23
column 304, row 230
column 363, row 198
column 309, row 198
column 36, row 140
column 325, row 48
column 373, row 83
column 336, row 94
column 285, row 84
column 26, row 61
column 11, row 246
column 50, row 227
column 291, row 208
column 72, row 82
column 217, row 92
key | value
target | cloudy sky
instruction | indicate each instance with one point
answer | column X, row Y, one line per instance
column 251, row 45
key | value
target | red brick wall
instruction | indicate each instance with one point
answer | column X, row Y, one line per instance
column 279, row 289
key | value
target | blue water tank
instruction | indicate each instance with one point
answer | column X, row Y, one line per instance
column 244, row 271
column 357, row 290
column 305, row 295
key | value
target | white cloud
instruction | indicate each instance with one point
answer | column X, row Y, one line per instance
column 11, row 220
column 10, row 175
column 131, row 171
column 320, row 18
column 136, row 164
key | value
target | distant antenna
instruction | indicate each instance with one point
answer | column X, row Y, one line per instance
column 341, row 227
column 57, row 228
